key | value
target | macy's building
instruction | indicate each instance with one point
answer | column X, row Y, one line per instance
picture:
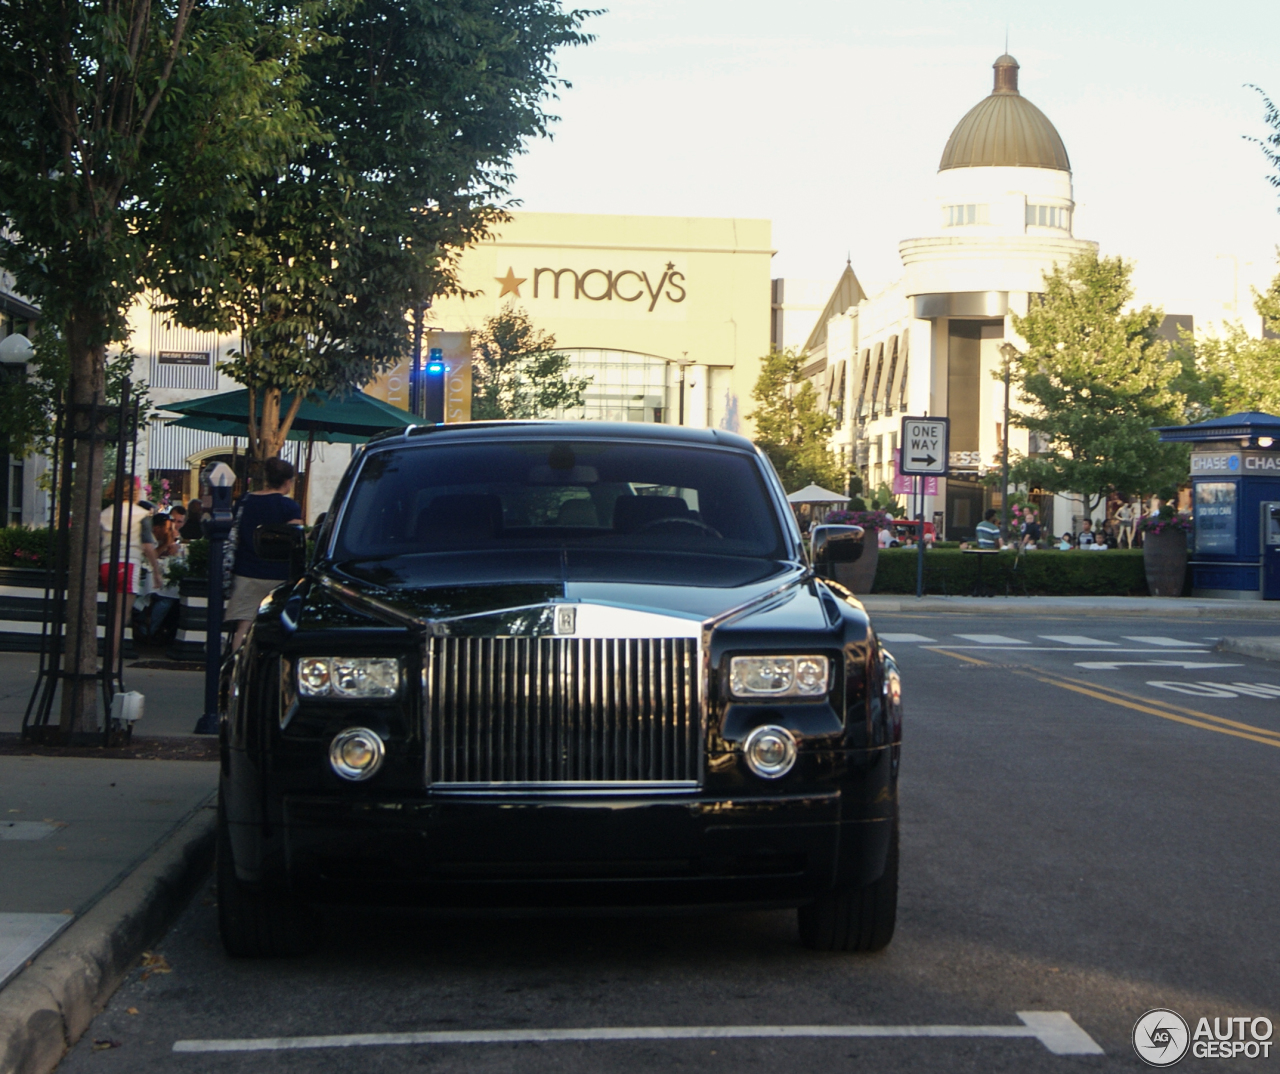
column 668, row 316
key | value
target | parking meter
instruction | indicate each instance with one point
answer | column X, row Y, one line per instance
column 217, row 526
column 1270, row 549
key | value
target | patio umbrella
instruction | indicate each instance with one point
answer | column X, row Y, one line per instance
column 816, row 494
column 349, row 419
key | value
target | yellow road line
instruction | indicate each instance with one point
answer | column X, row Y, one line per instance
column 1153, row 711
column 959, row 656
column 1176, row 708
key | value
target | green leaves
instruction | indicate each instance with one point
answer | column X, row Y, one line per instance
column 791, row 428
column 1094, row 381
column 517, row 373
column 418, row 107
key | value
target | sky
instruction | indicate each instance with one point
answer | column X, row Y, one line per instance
column 829, row 118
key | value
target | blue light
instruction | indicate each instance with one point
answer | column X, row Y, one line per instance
column 435, row 368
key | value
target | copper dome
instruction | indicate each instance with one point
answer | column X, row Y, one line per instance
column 1005, row 131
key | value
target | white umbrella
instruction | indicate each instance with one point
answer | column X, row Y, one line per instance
column 816, row 494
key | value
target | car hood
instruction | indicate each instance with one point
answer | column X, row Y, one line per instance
column 517, row 592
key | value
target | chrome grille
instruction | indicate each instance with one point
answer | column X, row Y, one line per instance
column 570, row 712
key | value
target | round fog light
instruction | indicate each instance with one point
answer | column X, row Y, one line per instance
column 770, row 751
column 356, row 753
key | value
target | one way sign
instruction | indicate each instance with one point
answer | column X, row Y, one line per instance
column 924, row 446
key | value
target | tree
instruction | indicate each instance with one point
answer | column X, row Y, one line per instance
column 421, row 105
column 122, row 126
column 1233, row 372
column 1095, row 378
column 791, row 428
column 516, row 371
column 1270, row 145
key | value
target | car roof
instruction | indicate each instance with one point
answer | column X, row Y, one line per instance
column 461, row 432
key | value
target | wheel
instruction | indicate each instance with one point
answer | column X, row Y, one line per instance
column 251, row 924
column 855, row 918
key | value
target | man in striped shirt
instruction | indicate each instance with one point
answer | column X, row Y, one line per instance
column 988, row 533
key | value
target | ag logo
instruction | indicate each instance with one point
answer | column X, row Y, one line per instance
column 1160, row 1038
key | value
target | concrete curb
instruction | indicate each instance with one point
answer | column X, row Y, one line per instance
column 1141, row 607
column 1262, row 648
column 46, row 1008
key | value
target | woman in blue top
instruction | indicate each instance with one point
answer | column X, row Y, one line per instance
column 252, row 577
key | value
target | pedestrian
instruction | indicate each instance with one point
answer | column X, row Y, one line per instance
column 1124, row 520
column 987, row 532
column 191, row 529
column 137, row 547
column 252, row 577
column 1086, row 538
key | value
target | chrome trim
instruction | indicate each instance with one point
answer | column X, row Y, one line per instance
column 506, row 713
column 580, row 787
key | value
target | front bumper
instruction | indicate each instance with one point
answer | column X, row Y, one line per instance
column 547, row 851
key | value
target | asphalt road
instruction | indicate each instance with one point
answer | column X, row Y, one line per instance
column 1089, row 826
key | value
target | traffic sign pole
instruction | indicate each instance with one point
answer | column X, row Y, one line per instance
column 919, row 483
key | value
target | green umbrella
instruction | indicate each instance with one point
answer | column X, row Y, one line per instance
column 349, row 419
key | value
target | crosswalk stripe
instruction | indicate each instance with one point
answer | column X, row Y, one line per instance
column 1147, row 639
column 992, row 639
column 905, row 638
column 1074, row 639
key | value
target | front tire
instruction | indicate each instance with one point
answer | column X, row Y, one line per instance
column 253, row 924
column 855, row 918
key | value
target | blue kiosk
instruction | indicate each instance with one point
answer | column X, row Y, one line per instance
column 1235, row 481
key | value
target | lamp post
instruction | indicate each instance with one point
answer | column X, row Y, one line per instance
column 217, row 525
column 683, row 363
column 1008, row 351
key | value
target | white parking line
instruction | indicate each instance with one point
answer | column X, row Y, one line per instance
column 1158, row 640
column 1056, row 1030
column 1112, row 665
column 1075, row 639
column 992, row 639
column 904, row 638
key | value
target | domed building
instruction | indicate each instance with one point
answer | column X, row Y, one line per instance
column 929, row 344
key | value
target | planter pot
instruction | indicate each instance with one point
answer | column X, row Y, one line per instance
column 860, row 575
column 1165, row 557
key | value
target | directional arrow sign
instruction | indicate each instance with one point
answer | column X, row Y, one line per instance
column 924, row 446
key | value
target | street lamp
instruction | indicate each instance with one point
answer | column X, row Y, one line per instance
column 217, row 526
column 684, row 364
column 1009, row 352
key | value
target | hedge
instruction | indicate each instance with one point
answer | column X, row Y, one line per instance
column 22, row 547
column 1118, row 572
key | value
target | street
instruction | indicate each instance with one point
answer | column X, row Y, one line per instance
column 1088, row 827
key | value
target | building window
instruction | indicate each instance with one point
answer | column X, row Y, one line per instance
column 958, row 215
column 1049, row 216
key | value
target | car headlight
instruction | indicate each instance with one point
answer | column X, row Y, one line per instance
column 779, row 676
column 348, row 676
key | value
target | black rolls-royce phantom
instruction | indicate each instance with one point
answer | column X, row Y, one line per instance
column 558, row 665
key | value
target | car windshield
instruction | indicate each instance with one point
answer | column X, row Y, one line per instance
column 539, row 494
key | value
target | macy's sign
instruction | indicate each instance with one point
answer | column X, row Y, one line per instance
column 600, row 285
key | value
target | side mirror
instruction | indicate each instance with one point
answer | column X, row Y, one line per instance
column 282, row 543
column 830, row 545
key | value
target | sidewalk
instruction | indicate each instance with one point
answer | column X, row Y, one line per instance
column 99, row 849
column 1238, row 611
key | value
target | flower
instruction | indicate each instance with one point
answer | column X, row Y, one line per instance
column 1166, row 520
column 868, row 520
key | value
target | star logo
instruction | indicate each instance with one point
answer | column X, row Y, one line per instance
column 510, row 283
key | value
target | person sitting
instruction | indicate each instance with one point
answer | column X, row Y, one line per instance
column 253, row 578
column 191, row 529
column 987, row 532
column 1065, row 544
column 1087, row 537
column 165, row 534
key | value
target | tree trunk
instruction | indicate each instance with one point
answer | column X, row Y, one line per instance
column 87, row 389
